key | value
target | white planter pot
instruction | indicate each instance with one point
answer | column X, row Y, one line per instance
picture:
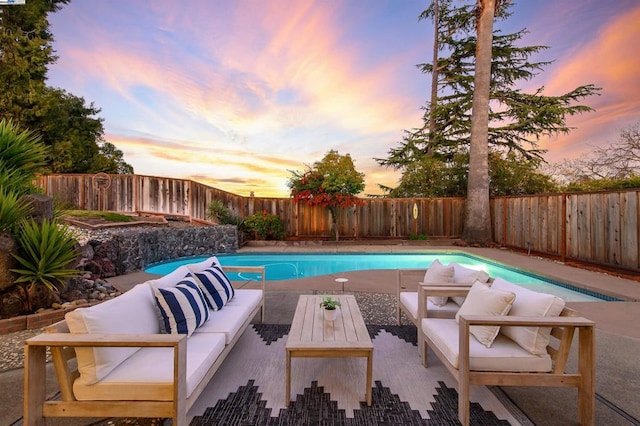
column 330, row 314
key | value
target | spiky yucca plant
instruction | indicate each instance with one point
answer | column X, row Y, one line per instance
column 45, row 253
column 22, row 156
column 13, row 209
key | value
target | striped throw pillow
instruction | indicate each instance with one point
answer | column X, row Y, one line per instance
column 183, row 308
column 216, row 287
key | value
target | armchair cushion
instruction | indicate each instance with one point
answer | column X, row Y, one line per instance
column 530, row 303
column 438, row 273
column 504, row 354
column 484, row 300
column 183, row 307
column 464, row 275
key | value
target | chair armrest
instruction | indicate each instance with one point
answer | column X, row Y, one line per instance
column 511, row 321
column 106, row 340
column 428, row 290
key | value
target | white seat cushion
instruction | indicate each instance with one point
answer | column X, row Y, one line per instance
column 227, row 320
column 530, row 303
column 249, row 298
column 148, row 374
column 504, row 354
column 409, row 299
column 132, row 312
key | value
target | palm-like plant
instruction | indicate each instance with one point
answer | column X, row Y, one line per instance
column 46, row 253
column 13, row 209
column 22, row 156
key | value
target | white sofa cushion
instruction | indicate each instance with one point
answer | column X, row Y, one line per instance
column 483, row 300
column 249, row 298
column 409, row 299
column 215, row 285
column 530, row 303
column 504, row 354
column 182, row 308
column 227, row 321
column 132, row 312
column 437, row 273
column 466, row 276
column 138, row 377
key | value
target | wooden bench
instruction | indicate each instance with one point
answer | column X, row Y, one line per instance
column 563, row 329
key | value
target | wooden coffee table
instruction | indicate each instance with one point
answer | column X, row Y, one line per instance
column 313, row 337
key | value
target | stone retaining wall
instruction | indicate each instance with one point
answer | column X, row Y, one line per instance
column 132, row 250
column 124, row 251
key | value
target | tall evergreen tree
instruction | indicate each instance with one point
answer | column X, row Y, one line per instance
column 516, row 119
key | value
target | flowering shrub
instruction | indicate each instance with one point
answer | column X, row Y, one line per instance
column 265, row 226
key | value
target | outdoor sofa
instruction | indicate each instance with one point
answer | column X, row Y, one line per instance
column 125, row 366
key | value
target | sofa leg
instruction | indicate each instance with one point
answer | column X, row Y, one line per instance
column 34, row 384
column 463, row 402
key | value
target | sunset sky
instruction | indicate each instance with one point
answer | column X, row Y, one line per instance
column 235, row 93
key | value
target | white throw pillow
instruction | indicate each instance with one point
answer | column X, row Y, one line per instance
column 437, row 273
column 464, row 275
column 530, row 303
column 483, row 300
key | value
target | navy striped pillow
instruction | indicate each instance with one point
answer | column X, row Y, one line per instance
column 216, row 287
column 183, row 308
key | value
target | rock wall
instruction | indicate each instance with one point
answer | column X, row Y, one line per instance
column 134, row 249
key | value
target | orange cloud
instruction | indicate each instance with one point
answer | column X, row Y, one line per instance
column 609, row 61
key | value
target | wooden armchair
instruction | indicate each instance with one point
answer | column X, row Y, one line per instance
column 466, row 358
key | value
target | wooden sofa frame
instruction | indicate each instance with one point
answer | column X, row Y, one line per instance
column 563, row 330
column 62, row 343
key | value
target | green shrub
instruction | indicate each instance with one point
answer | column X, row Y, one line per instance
column 45, row 252
column 265, row 226
column 218, row 212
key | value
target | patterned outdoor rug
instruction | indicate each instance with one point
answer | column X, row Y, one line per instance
column 249, row 388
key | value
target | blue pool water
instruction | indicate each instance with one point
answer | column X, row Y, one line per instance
column 286, row 266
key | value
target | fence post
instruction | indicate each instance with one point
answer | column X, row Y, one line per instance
column 563, row 227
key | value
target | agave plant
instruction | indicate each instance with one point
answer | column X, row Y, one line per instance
column 45, row 253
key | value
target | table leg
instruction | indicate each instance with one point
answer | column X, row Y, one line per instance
column 288, row 380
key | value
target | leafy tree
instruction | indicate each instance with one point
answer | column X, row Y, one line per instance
column 332, row 182
column 612, row 164
column 25, row 53
column 509, row 174
column 63, row 120
column 515, row 119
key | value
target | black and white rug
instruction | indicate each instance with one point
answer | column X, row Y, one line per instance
column 249, row 388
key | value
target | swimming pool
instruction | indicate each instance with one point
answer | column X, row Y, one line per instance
column 287, row 266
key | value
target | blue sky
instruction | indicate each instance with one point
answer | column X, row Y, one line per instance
column 235, row 93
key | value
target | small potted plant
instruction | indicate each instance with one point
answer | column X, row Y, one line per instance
column 330, row 304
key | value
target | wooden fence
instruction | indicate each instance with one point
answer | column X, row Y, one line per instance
column 596, row 227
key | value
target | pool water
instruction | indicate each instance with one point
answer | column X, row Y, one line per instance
column 287, row 266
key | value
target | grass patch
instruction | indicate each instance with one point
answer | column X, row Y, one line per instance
column 94, row 214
